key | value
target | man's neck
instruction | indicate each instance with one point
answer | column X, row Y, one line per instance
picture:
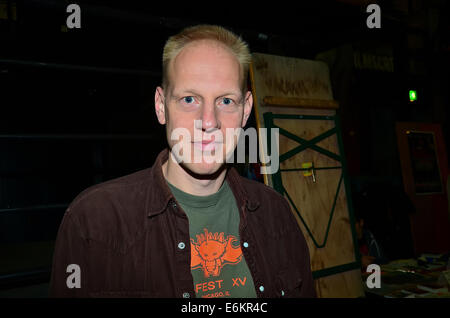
column 180, row 178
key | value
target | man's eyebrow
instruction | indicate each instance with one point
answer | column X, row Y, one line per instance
column 182, row 93
column 237, row 94
column 190, row 91
column 195, row 93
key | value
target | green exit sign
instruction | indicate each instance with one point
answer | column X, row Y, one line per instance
column 412, row 95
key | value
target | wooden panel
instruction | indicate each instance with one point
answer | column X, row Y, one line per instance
column 277, row 76
column 331, row 286
column 281, row 80
column 314, row 200
column 293, row 78
column 299, row 102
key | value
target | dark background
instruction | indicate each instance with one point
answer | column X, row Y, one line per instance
column 76, row 105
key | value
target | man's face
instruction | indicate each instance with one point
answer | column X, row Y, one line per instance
column 205, row 85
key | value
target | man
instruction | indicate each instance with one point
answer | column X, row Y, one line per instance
column 189, row 226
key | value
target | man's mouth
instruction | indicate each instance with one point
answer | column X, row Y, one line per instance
column 206, row 144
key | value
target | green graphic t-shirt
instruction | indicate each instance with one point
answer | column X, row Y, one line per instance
column 217, row 263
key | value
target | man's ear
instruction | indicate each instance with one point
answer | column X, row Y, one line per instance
column 160, row 107
column 248, row 104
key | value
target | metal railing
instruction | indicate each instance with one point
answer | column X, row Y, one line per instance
column 25, row 278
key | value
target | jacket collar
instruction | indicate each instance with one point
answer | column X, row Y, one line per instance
column 240, row 191
column 160, row 195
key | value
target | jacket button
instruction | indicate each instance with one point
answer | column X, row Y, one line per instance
column 181, row 245
column 186, row 295
column 261, row 288
column 282, row 293
column 245, row 244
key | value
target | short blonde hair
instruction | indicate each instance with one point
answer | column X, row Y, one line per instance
column 177, row 42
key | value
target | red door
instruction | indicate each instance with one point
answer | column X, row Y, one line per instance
column 425, row 170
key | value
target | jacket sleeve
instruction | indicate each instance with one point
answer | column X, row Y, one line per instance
column 69, row 269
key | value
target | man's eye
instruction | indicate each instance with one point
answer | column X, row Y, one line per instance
column 227, row 101
column 189, row 99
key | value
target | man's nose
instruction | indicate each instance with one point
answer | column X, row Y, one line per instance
column 209, row 117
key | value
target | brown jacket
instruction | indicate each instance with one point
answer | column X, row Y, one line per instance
column 125, row 236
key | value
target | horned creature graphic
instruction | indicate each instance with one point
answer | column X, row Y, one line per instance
column 212, row 251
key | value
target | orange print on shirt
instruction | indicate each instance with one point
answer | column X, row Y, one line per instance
column 213, row 251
